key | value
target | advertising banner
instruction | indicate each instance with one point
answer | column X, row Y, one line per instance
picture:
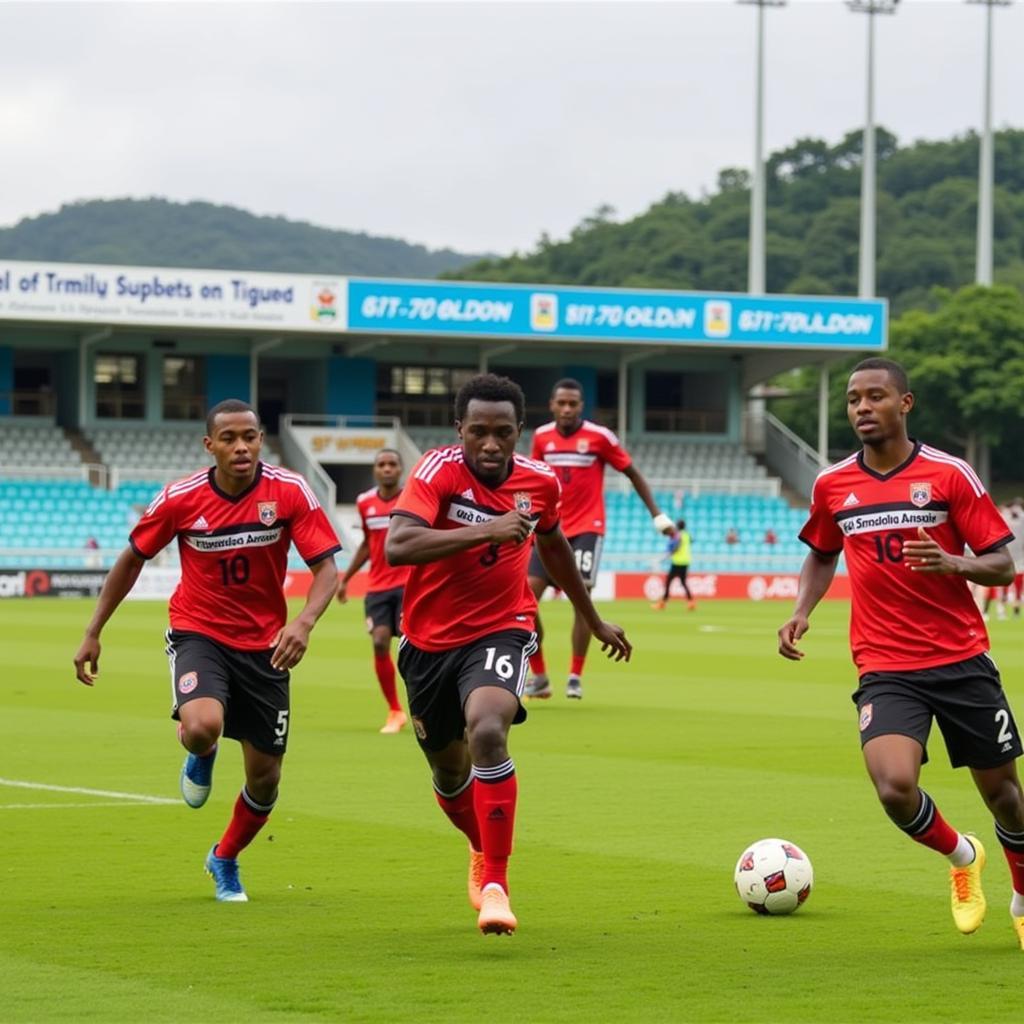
column 588, row 314
column 343, row 444
column 50, row 582
column 167, row 297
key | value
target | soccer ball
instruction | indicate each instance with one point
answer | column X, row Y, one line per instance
column 773, row 876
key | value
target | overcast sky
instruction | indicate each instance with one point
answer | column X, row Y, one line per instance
column 473, row 125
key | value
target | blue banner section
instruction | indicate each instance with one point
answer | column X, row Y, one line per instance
column 587, row 314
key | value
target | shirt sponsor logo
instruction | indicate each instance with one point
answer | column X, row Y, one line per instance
column 188, row 682
column 866, row 713
column 872, row 522
column 243, row 539
column 268, row 512
column 377, row 522
column 920, row 494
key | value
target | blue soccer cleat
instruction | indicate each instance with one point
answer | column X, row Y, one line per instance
column 197, row 778
column 224, row 872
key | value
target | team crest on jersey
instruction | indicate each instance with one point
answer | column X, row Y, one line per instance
column 920, row 494
column 583, row 446
column 268, row 512
column 522, row 501
column 188, row 682
column 866, row 713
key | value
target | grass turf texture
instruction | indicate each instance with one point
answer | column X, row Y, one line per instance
column 634, row 807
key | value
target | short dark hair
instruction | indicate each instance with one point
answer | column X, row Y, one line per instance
column 228, row 405
column 681, row 524
column 388, row 451
column 896, row 372
column 489, row 387
column 569, row 383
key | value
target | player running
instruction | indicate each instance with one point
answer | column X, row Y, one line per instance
column 229, row 646
column 383, row 601
column 902, row 512
column 578, row 450
column 463, row 523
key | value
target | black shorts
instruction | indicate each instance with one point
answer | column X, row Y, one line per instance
column 440, row 682
column 677, row 572
column 254, row 695
column 384, row 608
column 587, row 549
column 965, row 698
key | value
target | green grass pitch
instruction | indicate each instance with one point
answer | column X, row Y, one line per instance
column 634, row 806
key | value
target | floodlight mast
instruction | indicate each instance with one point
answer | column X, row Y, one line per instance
column 866, row 269
column 756, row 259
column 986, row 163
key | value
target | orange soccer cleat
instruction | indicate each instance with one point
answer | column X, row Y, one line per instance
column 474, row 884
column 496, row 917
column 966, row 898
column 395, row 723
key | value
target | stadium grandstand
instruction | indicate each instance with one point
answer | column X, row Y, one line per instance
column 101, row 402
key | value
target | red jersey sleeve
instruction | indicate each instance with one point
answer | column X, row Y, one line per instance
column 614, row 454
column 821, row 531
column 156, row 529
column 421, row 495
column 312, row 533
column 552, row 513
column 975, row 515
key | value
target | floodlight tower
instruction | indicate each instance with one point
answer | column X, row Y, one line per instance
column 866, row 272
column 756, row 260
column 983, row 255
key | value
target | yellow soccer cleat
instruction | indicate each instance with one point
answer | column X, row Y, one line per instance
column 395, row 723
column 474, row 884
column 1018, row 926
column 966, row 897
column 496, row 917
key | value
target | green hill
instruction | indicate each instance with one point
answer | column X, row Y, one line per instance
column 927, row 207
column 158, row 232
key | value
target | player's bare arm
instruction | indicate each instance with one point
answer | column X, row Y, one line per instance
column 412, row 543
column 815, row 578
column 116, row 586
column 291, row 643
column 993, row 569
column 560, row 564
column 662, row 522
column 359, row 559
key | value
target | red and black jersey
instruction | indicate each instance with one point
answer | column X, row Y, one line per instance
column 900, row 619
column 375, row 513
column 234, row 551
column 458, row 599
column 579, row 460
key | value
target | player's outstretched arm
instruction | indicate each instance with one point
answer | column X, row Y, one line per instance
column 359, row 559
column 116, row 586
column 560, row 564
column 662, row 523
column 291, row 643
column 815, row 578
column 411, row 542
column 993, row 569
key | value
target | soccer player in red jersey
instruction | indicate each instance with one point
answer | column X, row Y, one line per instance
column 578, row 450
column 229, row 643
column 463, row 523
column 902, row 512
column 383, row 602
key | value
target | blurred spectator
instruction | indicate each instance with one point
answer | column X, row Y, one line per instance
column 733, row 536
column 771, row 538
column 93, row 560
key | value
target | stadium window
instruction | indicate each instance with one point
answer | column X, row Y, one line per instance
column 419, row 395
column 184, row 387
column 120, row 387
column 686, row 402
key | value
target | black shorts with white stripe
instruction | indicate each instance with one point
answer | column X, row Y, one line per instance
column 439, row 682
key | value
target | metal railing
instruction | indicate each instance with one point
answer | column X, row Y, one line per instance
column 790, row 456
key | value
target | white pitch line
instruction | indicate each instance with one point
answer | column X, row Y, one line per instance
column 141, row 798
column 64, row 807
